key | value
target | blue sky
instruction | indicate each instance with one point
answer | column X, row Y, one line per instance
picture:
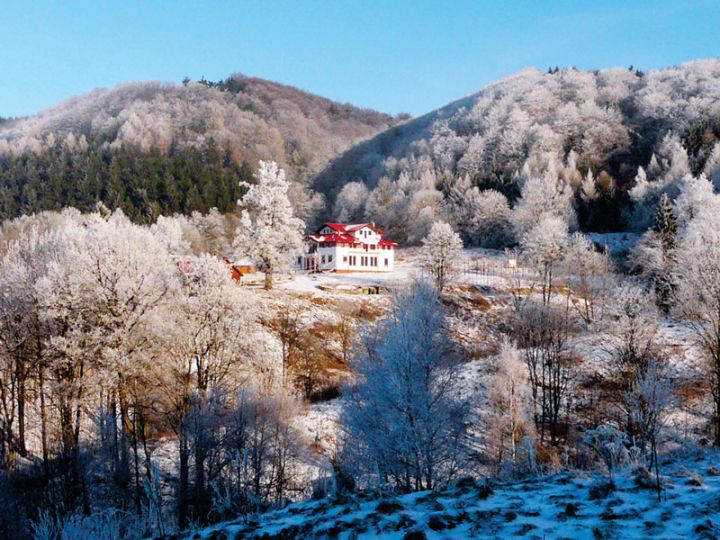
column 395, row 56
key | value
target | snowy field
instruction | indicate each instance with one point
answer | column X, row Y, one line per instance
column 482, row 267
column 558, row 506
column 566, row 505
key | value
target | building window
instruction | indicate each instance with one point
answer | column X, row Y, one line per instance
column 345, row 259
column 300, row 259
column 329, row 258
column 322, row 259
column 386, row 262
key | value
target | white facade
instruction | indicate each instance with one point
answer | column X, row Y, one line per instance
column 347, row 248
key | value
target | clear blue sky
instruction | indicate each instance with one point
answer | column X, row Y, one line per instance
column 395, row 56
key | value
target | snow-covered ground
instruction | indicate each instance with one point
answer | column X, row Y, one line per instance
column 404, row 271
column 566, row 505
column 476, row 267
column 557, row 506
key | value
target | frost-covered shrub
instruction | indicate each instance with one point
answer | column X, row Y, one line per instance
column 405, row 417
column 110, row 524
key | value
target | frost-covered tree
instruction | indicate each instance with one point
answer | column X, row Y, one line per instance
column 387, row 204
column 23, row 334
column 542, row 333
column 631, row 327
column 408, row 206
column 426, row 207
column 640, row 187
column 268, row 231
column 208, row 333
column 440, row 252
column 712, row 166
column 405, row 416
column 510, row 414
column 654, row 254
column 483, row 217
column 649, row 406
column 588, row 190
column 697, row 295
column 696, row 195
column 666, row 223
column 83, row 291
column 107, row 340
column 261, row 446
column 663, row 178
column 609, row 444
column 120, row 273
column 543, row 196
column 544, row 246
column 350, row 203
column 666, row 230
column 589, row 273
column 673, row 159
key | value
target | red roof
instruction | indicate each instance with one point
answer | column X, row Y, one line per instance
column 342, row 236
column 333, row 238
column 343, row 228
column 344, row 239
column 339, row 227
column 384, row 242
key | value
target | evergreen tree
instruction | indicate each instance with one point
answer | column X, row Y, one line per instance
column 666, row 229
column 269, row 232
column 665, row 223
column 144, row 184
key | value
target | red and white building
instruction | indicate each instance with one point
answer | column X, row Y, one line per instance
column 337, row 247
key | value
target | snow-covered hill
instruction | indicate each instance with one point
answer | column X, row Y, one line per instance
column 612, row 118
column 255, row 118
column 567, row 505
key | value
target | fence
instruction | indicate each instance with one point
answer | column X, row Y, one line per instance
column 483, row 272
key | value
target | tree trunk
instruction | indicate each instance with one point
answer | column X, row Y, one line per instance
column 66, row 427
column 201, row 503
column 21, row 376
column 268, row 279
column 122, row 473
column 716, row 393
column 138, row 507
column 657, row 469
column 69, row 455
column 183, row 516
column 43, row 419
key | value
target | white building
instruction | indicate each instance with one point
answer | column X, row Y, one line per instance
column 347, row 248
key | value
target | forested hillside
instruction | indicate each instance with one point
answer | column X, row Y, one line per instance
column 589, row 130
column 152, row 148
column 608, row 143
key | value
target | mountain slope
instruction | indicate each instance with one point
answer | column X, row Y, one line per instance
column 557, row 506
column 256, row 119
column 152, row 148
column 612, row 120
